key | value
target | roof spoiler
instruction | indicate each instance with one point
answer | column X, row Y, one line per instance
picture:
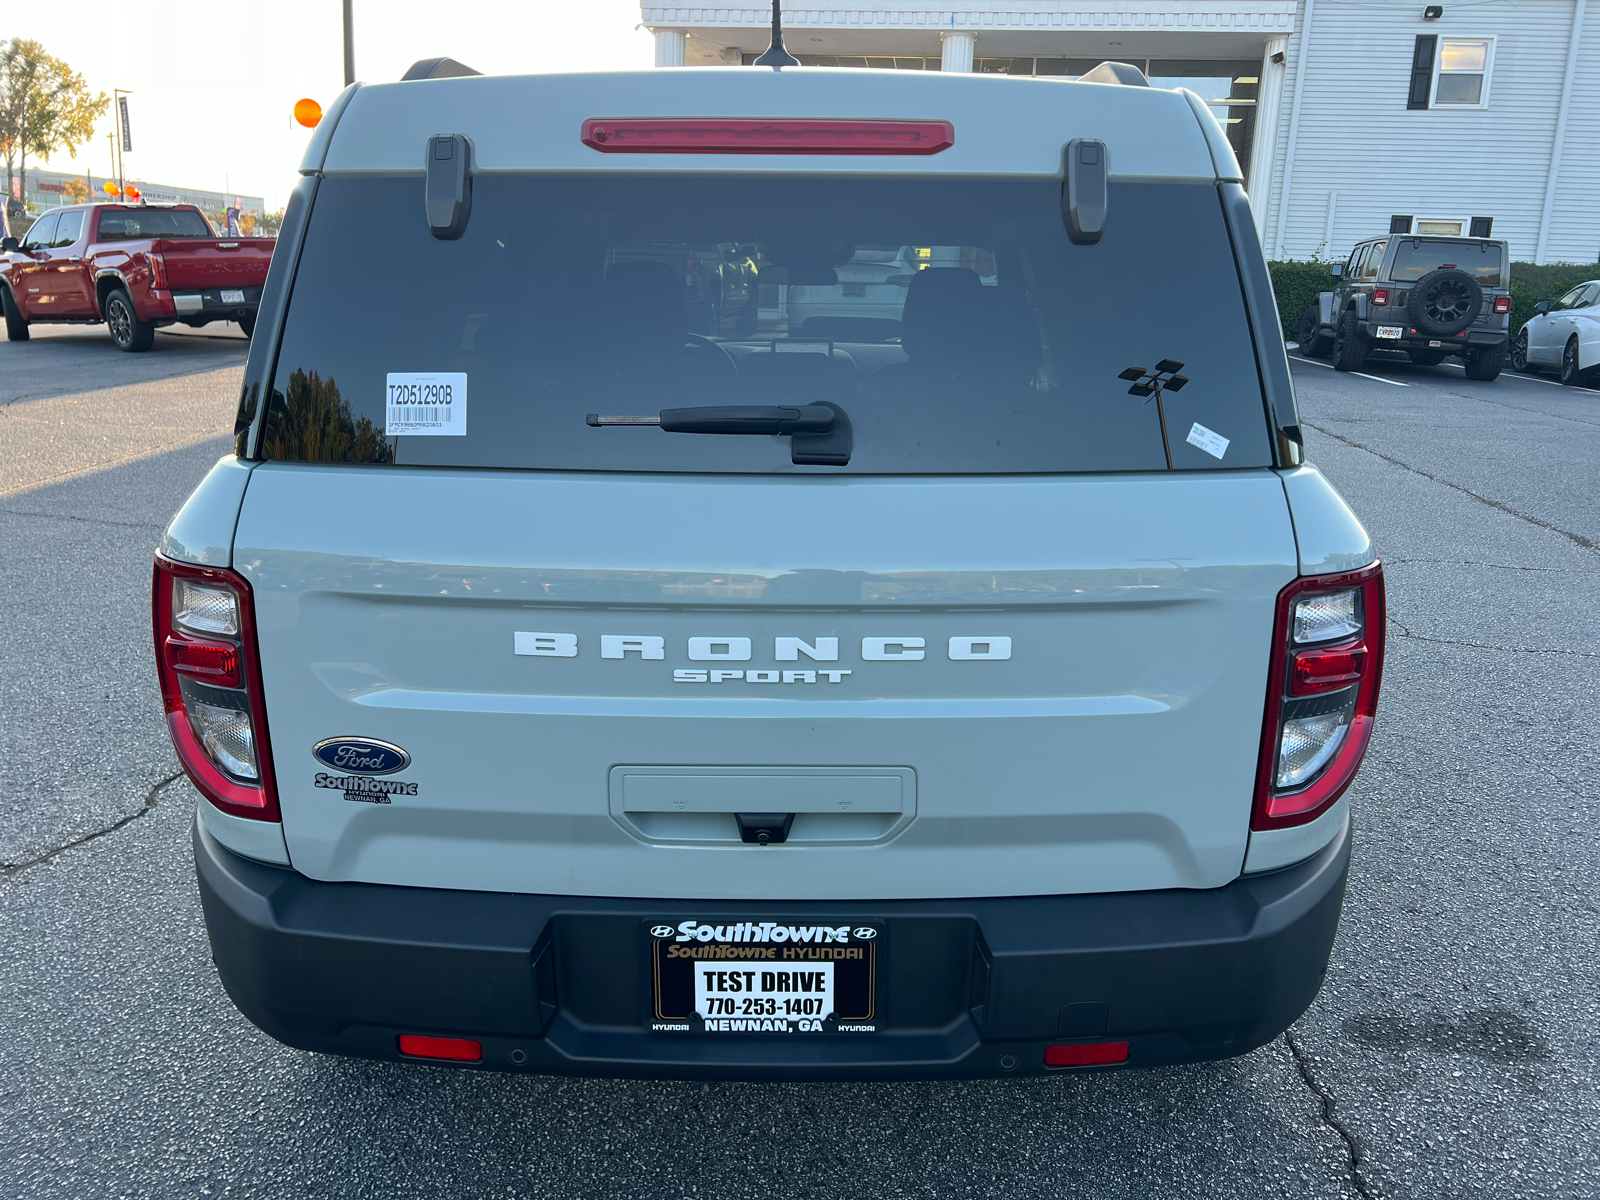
column 443, row 68
column 1107, row 72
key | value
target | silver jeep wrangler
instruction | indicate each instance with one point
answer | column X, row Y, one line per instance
column 954, row 671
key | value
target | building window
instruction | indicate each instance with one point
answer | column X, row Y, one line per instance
column 1439, row 228
column 1463, row 77
column 1398, row 224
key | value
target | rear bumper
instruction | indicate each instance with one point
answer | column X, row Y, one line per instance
column 969, row 988
column 209, row 304
column 1409, row 339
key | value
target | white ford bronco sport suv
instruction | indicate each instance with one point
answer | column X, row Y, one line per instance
column 962, row 689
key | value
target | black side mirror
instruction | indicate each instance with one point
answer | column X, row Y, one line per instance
column 1336, row 270
column 449, row 187
column 1083, row 196
column 1542, row 307
column 8, row 244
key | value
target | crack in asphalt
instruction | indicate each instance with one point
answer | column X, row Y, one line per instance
column 1438, row 641
column 1577, row 539
column 144, row 809
column 17, row 512
column 1352, row 1144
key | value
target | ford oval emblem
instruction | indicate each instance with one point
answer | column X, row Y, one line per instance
column 361, row 756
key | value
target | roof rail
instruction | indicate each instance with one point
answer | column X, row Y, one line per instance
column 1115, row 72
column 438, row 68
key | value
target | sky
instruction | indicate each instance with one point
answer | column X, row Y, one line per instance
column 213, row 96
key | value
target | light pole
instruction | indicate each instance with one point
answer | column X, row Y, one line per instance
column 349, row 44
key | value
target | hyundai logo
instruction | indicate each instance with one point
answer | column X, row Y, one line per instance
column 865, row 932
column 361, row 756
column 661, row 931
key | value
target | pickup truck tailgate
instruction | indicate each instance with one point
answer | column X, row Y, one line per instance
column 216, row 262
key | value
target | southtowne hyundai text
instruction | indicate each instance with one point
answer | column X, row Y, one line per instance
column 941, row 666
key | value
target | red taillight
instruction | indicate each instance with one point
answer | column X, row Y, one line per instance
column 216, row 663
column 1322, row 693
column 1314, row 671
column 1502, row 304
column 158, row 270
column 1380, row 296
column 453, row 1049
column 702, row 135
column 211, row 685
column 1091, row 1054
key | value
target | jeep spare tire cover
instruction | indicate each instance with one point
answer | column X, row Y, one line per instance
column 1444, row 302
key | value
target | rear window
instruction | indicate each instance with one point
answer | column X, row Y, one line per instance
column 953, row 321
column 1416, row 257
column 153, row 223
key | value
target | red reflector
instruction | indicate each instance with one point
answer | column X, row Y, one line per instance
column 1094, row 1054
column 216, row 663
column 1325, row 670
column 1380, row 296
column 704, row 135
column 454, row 1049
column 1502, row 304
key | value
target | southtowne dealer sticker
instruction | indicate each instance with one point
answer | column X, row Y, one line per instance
column 754, row 976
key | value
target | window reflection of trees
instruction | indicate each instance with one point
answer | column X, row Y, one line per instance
column 311, row 422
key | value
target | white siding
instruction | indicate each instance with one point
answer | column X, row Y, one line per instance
column 1575, row 220
column 1357, row 138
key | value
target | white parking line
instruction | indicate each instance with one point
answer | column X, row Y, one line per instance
column 1363, row 374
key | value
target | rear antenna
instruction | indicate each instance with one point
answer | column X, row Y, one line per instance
column 775, row 55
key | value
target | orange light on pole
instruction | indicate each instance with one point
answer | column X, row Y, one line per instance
column 308, row 112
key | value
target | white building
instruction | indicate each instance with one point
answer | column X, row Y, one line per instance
column 1350, row 117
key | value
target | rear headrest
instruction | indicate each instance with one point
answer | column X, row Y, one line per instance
column 940, row 304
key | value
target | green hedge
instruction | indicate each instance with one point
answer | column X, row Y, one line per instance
column 1297, row 284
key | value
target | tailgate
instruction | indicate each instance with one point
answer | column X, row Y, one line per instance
column 216, row 262
column 1109, row 745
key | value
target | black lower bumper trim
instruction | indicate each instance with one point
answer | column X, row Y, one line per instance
column 970, row 988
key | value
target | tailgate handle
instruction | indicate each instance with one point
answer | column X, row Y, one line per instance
column 448, row 196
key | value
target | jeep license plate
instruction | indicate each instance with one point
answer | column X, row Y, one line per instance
column 233, row 297
column 1390, row 331
column 717, row 976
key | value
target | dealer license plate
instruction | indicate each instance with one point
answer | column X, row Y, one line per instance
column 1391, row 331
column 233, row 297
column 717, row 976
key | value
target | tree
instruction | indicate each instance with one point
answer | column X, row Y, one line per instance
column 45, row 106
column 75, row 190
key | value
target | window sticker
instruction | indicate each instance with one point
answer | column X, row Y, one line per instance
column 426, row 404
column 1213, row 444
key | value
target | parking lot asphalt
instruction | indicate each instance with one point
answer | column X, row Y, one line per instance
column 1452, row 1053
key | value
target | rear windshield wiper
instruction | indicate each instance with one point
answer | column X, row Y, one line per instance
column 819, row 434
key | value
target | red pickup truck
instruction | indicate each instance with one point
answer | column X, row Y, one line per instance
column 135, row 267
